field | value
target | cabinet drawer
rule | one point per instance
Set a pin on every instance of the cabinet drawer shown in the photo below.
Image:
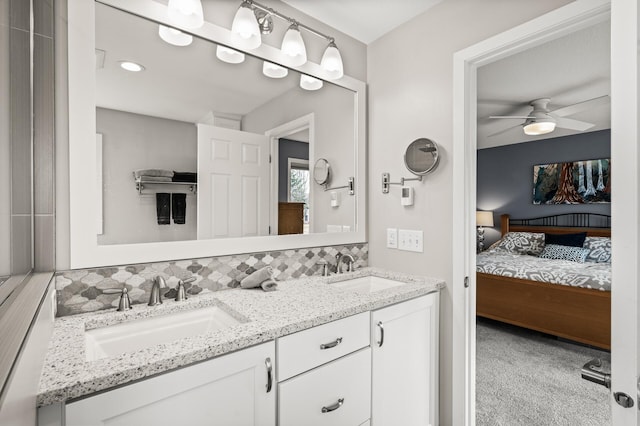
(303, 399)
(302, 351)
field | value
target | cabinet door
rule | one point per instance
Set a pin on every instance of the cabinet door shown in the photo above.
(405, 363)
(226, 391)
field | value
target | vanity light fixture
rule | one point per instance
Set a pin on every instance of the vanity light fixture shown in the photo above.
(228, 55)
(332, 61)
(245, 25)
(293, 46)
(131, 66)
(186, 13)
(310, 83)
(174, 37)
(274, 70)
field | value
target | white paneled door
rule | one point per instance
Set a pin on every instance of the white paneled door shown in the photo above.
(233, 183)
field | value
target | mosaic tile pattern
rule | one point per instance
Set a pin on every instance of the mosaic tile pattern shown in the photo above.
(82, 290)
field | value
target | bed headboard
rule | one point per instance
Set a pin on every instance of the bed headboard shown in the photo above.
(595, 225)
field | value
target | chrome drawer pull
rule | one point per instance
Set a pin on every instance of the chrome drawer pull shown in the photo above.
(381, 327)
(267, 363)
(332, 344)
(333, 407)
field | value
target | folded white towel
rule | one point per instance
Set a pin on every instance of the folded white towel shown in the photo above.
(258, 277)
(269, 285)
(153, 172)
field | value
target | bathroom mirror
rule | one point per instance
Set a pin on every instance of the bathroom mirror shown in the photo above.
(187, 111)
(421, 156)
(322, 172)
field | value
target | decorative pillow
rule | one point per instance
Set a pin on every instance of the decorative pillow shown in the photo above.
(599, 249)
(574, 254)
(521, 243)
(574, 240)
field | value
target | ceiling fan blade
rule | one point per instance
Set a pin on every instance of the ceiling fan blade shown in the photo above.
(504, 131)
(582, 106)
(519, 117)
(568, 123)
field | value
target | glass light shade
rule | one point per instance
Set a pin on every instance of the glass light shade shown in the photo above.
(246, 26)
(228, 55)
(539, 128)
(175, 37)
(293, 46)
(273, 70)
(484, 218)
(131, 66)
(332, 62)
(186, 13)
(310, 83)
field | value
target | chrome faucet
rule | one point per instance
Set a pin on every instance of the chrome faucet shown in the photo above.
(181, 293)
(344, 258)
(156, 296)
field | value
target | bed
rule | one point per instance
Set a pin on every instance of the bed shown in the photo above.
(570, 305)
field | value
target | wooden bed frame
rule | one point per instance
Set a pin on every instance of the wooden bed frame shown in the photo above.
(579, 314)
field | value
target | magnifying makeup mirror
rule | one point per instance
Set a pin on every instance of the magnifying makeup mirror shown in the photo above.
(421, 156)
(322, 172)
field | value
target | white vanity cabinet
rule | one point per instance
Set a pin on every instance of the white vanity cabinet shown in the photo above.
(230, 390)
(404, 341)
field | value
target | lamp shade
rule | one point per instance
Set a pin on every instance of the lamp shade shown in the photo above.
(174, 37)
(226, 54)
(274, 70)
(484, 218)
(186, 13)
(310, 83)
(293, 46)
(245, 25)
(332, 62)
(539, 127)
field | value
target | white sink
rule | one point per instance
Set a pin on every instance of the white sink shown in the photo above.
(147, 332)
(367, 285)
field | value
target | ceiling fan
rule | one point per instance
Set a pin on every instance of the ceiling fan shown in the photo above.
(541, 121)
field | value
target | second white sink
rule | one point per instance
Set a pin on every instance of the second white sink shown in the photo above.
(368, 284)
(143, 333)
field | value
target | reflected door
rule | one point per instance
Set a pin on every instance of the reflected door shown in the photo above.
(233, 183)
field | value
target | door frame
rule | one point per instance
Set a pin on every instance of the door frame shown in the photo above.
(306, 122)
(560, 22)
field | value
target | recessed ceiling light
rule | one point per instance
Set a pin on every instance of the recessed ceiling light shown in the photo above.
(131, 66)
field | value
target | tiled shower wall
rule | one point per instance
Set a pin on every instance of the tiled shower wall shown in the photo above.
(80, 291)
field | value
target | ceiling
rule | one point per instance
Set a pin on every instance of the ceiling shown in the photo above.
(568, 70)
(364, 20)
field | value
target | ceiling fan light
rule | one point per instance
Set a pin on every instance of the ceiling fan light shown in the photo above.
(186, 13)
(535, 128)
(245, 25)
(332, 62)
(174, 37)
(310, 83)
(274, 70)
(293, 46)
(228, 55)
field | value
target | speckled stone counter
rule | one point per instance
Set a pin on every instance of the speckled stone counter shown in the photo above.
(296, 305)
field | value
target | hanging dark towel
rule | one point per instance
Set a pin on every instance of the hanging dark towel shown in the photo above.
(185, 177)
(179, 208)
(163, 208)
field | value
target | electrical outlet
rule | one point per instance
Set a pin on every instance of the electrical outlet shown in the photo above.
(392, 238)
(410, 240)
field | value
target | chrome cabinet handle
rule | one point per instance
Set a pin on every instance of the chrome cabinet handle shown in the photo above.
(333, 407)
(381, 342)
(267, 363)
(331, 344)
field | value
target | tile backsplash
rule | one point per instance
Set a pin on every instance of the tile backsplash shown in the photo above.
(82, 290)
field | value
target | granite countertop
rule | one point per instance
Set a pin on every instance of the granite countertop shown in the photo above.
(297, 305)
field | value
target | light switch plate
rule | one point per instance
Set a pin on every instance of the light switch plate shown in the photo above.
(392, 238)
(410, 240)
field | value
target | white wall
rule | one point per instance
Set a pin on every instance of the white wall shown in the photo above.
(333, 109)
(410, 96)
(5, 144)
(131, 142)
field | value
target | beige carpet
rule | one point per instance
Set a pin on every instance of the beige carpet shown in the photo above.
(528, 378)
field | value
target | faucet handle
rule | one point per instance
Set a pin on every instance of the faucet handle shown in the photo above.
(125, 302)
(181, 293)
(324, 265)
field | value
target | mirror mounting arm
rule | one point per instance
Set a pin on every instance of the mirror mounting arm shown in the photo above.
(350, 185)
(386, 182)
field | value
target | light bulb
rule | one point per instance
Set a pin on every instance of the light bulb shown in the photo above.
(245, 25)
(332, 62)
(186, 13)
(293, 46)
(310, 83)
(175, 37)
(226, 54)
(539, 128)
(273, 70)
